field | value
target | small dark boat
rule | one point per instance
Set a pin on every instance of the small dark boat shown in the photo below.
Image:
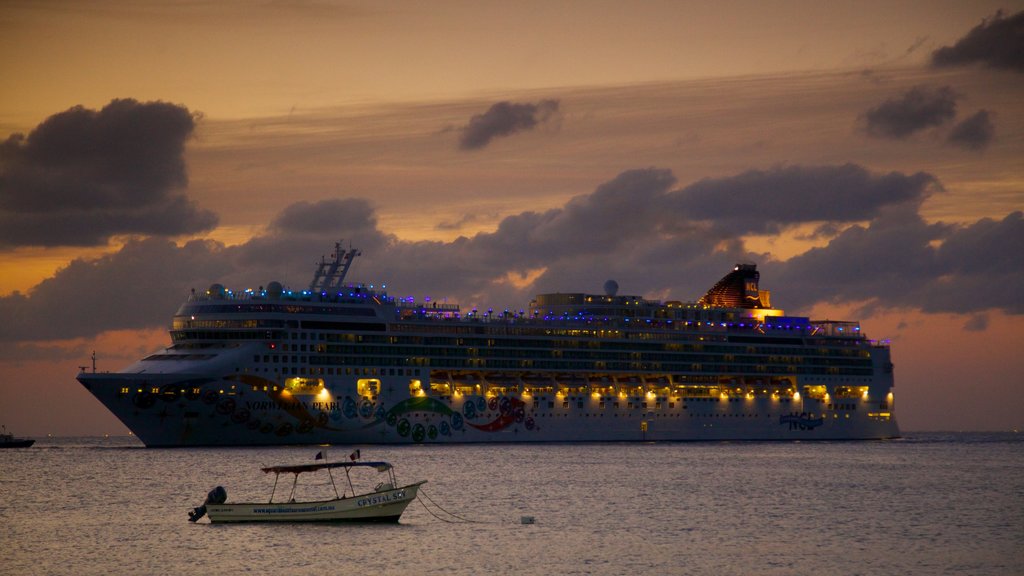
(9, 441)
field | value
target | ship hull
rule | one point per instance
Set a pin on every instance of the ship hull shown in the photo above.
(196, 410)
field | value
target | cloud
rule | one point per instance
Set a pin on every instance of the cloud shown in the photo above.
(977, 323)
(118, 291)
(326, 216)
(920, 108)
(901, 261)
(83, 176)
(975, 132)
(306, 229)
(759, 202)
(636, 228)
(504, 119)
(997, 42)
(978, 268)
(465, 220)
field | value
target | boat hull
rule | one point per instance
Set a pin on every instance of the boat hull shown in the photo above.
(18, 443)
(383, 506)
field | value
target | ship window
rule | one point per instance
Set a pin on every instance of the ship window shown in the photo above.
(368, 387)
(816, 392)
(304, 385)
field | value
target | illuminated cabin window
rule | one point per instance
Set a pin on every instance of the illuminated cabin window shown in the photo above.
(303, 385)
(416, 388)
(851, 391)
(441, 388)
(816, 392)
(368, 387)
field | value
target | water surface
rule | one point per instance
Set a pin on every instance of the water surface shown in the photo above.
(926, 504)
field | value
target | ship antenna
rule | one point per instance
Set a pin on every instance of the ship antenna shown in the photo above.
(327, 276)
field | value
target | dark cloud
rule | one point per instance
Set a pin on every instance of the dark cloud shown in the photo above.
(326, 216)
(977, 323)
(84, 175)
(465, 220)
(761, 202)
(504, 119)
(997, 42)
(636, 228)
(975, 132)
(308, 230)
(901, 261)
(885, 261)
(980, 267)
(920, 108)
(123, 290)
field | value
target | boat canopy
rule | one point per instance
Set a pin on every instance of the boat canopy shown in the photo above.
(300, 468)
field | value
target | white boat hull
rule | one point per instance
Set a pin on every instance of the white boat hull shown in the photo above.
(383, 506)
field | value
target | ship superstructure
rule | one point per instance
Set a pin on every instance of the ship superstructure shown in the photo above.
(345, 363)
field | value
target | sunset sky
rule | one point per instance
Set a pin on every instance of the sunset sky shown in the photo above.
(868, 156)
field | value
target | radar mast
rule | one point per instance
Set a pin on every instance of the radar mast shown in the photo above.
(328, 277)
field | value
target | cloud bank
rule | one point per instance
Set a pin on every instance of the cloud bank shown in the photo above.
(639, 228)
(998, 42)
(504, 119)
(82, 176)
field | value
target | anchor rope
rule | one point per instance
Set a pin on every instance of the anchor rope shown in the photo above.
(459, 519)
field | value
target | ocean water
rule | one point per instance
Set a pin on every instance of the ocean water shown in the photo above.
(925, 504)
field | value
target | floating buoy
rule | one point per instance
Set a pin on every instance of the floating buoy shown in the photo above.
(526, 520)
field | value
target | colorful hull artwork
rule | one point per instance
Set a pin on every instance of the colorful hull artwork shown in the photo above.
(211, 413)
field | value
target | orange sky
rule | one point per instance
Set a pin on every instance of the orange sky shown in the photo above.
(313, 101)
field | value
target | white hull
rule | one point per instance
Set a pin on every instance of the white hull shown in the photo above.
(384, 506)
(245, 418)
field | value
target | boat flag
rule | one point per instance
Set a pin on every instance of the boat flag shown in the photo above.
(354, 456)
(319, 456)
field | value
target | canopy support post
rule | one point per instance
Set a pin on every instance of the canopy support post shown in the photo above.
(276, 477)
(294, 482)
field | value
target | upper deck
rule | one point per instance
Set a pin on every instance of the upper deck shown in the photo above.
(332, 305)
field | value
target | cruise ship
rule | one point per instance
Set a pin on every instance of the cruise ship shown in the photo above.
(344, 363)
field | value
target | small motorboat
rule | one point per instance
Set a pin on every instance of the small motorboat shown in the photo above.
(384, 503)
(10, 441)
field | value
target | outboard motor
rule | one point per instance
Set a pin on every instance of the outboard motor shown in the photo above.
(216, 496)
